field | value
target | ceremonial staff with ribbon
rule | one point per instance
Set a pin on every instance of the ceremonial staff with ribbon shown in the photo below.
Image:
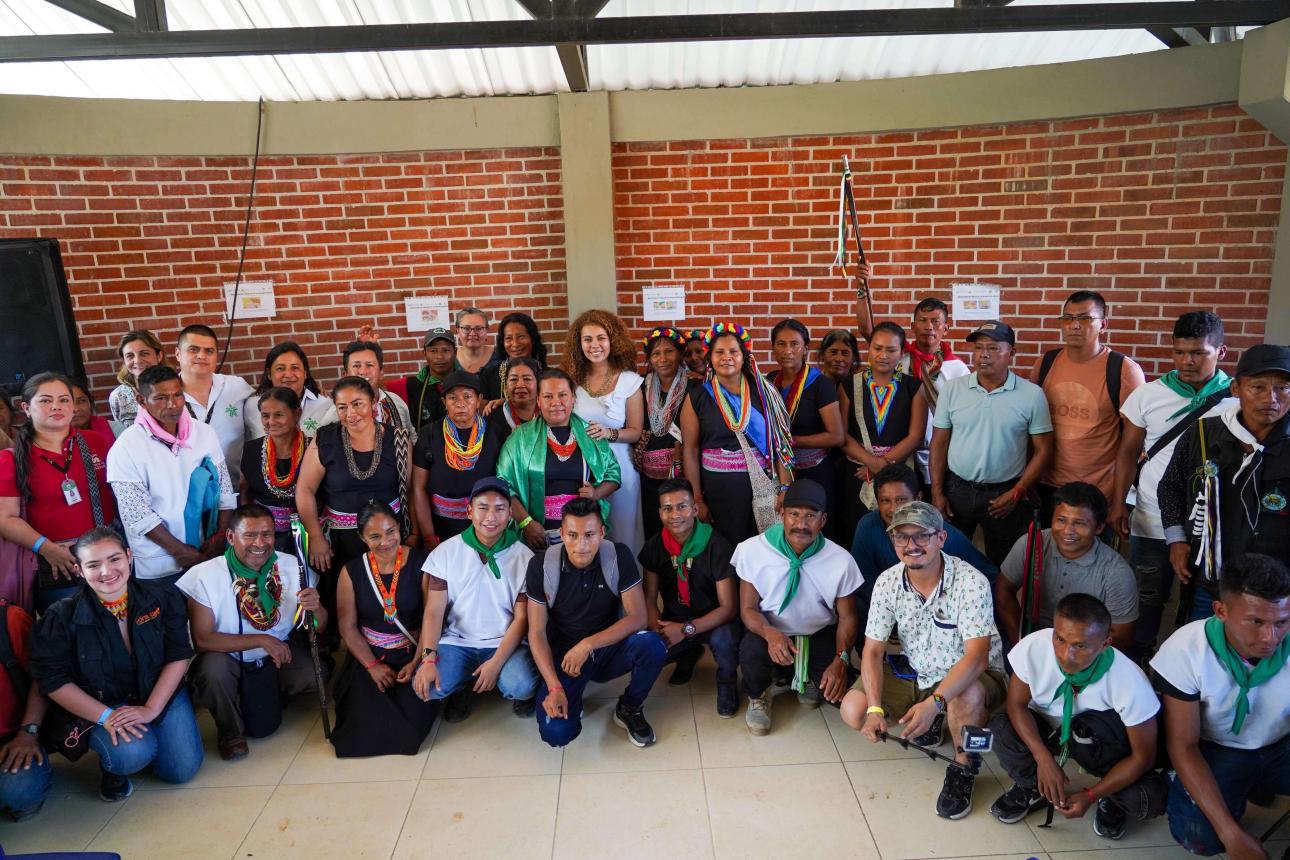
(307, 620)
(847, 210)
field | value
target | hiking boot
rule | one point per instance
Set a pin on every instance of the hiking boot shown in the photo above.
(233, 747)
(810, 696)
(1109, 820)
(955, 800)
(727, 700)
(1016, 803)
(457, 707)
(639, 731)
(523, 707)
(113, 787)
(758, 715)
(684, 670)
(934, 736)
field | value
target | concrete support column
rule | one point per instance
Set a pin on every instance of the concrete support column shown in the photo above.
(588, 201)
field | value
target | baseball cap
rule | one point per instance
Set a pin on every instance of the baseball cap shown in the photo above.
(439, 334)
(1263, 358)
(461, 379)
(490, 485)
(917, 514)
(805, 493)
(995, 330)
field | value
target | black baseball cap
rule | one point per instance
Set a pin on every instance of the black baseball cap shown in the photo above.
(490, 485)
(1264, 358)
(805, 493)
(440, 334)
(996, 331)
(461, 379)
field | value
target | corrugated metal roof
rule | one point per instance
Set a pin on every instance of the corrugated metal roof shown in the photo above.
(517, 71)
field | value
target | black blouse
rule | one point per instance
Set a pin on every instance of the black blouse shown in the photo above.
(343, 492)
(897, 426)
(252, 460)
(713, 432)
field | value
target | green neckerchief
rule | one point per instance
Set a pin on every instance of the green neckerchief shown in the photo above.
(523, 463)
(1070, 687)
(775, 537)
(696, 543)
(261, 577)
(490, 553)
(1220, 381)
(1242, 673)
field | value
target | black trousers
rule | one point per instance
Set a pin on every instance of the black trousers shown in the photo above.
(759, 670)
(1098, 742)
(970, 507)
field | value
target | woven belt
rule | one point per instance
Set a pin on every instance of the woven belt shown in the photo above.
(721, 460)
(450, 509)
(555, 506)
(386, 641)
(809, 458)
(657, 464)
(341, 520)
(281, 517)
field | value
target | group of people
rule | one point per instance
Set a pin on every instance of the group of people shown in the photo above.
(499, 520)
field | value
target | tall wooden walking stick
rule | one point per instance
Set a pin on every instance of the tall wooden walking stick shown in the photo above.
(309, 621)
(847, 210)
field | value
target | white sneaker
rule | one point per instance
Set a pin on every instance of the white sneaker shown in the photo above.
(758, 716)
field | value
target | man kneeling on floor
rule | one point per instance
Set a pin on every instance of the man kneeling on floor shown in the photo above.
(796, 600)
(242, 608)
(942, 606)
(1075, 695)
(475, 620)
(1226, 684)
(587, 622)
(689, 565)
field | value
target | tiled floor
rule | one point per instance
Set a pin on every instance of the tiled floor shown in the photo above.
(488, 788)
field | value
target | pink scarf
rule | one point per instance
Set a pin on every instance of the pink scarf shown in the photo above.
(159, 433)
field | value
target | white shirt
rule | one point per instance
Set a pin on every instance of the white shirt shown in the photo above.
(1189, 665)
(480, 606)
(950, 369)
(1149, 407)
(138, 460)
(829, 574)
(315, 411)
(223, 414)
(1123, 689)
(211, 584)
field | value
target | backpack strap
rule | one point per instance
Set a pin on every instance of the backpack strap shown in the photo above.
(1114, 367)
(608, 557)
(1046, 364)
(609, 565)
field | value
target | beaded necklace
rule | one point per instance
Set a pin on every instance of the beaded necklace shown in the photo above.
(349, 453)
(562, 451)
(282, 486)
(880, 398)
(389, 607)
(793, 391)
(462, 457)
(118, 607)
(733, 421)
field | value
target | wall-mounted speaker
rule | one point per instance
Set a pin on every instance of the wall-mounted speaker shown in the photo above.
(37, 329)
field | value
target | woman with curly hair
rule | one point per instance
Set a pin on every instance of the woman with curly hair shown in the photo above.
(600, 355)
(517, 337)
(737, 448)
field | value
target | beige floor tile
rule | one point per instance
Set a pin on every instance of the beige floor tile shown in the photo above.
(1172, 852)
(511, 817)
(1077, 835)
(67, 822)
(191, 823)
(613, 689)
(806, 810)
(633, 815)
(492, 742)
(798, 736)
(603, 747)
(899, 802)
(301, 821)
(1024, 855)
(853, 746)
(317, 762)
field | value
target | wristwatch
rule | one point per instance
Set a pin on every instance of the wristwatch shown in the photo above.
(689, 629)
(32, 728)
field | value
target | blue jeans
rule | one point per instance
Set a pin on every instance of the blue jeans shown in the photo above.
(172, 745)
(1239, 773)
(517, 680)
(724, 642)
(22, 793)
(642, 654)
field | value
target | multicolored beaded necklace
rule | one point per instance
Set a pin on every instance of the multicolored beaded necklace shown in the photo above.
(462, 457)
(282, 486)
(880, 398)
(733, 421)
(563, 451)
(793, 391)
(119, 607)
(389, 607)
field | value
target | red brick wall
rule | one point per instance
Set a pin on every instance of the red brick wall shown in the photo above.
(1160, 212)
(149, 242)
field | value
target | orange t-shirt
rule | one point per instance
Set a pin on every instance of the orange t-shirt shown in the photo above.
(1086, 425)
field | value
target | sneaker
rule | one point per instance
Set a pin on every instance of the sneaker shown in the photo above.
(955, 800)
(233, 747)
(1109, 820)
(457, 707)
(639, 731)
(523, 707)
(113, 787)
(934, 736)
(684, 670)
(780, 683)
(727, 700)
(810, 697)
(758, 716)
(1016, 803)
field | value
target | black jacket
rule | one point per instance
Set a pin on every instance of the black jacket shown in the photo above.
(77, 641)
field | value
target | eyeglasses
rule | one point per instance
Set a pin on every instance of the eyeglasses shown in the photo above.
(473, 329)
(1082, 319)
(918, 538)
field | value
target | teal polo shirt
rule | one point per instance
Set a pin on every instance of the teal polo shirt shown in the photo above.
(991, 428)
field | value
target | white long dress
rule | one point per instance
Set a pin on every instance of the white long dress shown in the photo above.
(610, 410)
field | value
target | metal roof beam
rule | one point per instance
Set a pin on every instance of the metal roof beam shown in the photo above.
(97, 13)
(656, 28)
(150, 15)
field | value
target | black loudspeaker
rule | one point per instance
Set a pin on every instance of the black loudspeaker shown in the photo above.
(37, 330)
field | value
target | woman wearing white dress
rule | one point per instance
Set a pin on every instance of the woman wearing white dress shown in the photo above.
(599, 355)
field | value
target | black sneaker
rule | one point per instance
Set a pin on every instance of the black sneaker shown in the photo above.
(113, 787)
(935, 735)
(523, 707)
(639, 731)
(955, 800)
(1109, 820)
(457, 707)
(727, 700)
(684, 670)
(1016, 803)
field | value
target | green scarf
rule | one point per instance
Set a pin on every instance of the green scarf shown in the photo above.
(261, 577)
(523, 463)
(490, 553)
(1070, 687)
(1220, 381)
(775, 537)
(1242, 673)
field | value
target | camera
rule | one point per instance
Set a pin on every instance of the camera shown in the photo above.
(977, 740)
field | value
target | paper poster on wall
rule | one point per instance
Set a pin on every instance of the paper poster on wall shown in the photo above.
(426, 312)
(664, 304)
(975, 301)
(255, 300)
